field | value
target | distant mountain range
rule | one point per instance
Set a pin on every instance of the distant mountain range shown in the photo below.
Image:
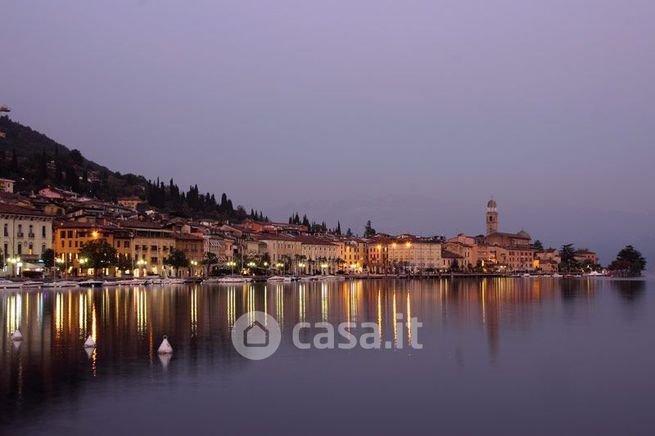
(34, 161)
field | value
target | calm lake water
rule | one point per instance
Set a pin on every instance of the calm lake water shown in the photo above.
(500, 356)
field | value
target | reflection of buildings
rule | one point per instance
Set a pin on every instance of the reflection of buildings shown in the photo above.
(128, 323)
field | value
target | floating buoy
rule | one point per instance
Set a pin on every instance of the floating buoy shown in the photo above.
(89, 343)
(165, 347)
(17, 336)
(165, 359)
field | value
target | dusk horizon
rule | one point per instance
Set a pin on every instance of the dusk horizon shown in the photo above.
(327, 218)
(547, 111)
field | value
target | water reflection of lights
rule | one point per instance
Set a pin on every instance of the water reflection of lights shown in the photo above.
(324, 302)
(82, 315)
(141, 310)
(250, 303)
(353, 302)
(380, 314)
(483, 297)
(395, 324)
(409, 318)
(231, 306)
(14, 311)
(59, 314)
(194, 311)
(279, 304)
(302, 289)
(94, 321)
(266, 303)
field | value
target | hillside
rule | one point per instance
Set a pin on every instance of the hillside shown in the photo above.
(36, 161)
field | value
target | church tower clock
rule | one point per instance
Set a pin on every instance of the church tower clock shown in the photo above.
(492, 217)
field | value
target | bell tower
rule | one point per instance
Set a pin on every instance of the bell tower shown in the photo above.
(492, 217)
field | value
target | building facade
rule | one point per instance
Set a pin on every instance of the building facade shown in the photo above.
(26, 235)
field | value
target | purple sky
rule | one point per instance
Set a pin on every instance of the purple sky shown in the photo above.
(410, 113)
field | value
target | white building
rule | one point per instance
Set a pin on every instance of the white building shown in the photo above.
(26, 234)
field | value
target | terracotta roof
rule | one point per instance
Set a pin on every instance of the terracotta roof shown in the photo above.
(19, 210)
(187, 237)
(136, 224)
(311, 240)
(274, 237)
(520, 235)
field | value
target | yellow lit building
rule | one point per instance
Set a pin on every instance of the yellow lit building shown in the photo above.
(70, 236)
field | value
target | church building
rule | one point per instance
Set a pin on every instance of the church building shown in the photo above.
(513, 250)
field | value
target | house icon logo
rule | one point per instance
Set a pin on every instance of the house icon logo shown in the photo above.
(256, 335)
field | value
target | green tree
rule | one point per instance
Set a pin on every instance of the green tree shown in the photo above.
(48, 258)
(537, 245)
(177, 259)
(209, 261)
(98, 255)
(369, 230)
(629, 261)
(567, 256)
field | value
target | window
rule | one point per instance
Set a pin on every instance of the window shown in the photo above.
(20, 249)
(69, 234)
(43, 248)
(6, 231)
(62, 234)
(43, 232)
(126, 244)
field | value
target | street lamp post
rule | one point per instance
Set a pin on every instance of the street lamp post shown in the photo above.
(141, 264)
(83, 261)
(60, 264)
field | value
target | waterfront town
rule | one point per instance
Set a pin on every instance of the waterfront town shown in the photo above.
(50, 231)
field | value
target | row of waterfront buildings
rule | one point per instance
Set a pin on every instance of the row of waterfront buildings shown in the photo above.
(64, 221)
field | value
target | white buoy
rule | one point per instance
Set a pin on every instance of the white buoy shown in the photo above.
(17, 336)
(165, 347)
(165, 359)
(89, 343)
